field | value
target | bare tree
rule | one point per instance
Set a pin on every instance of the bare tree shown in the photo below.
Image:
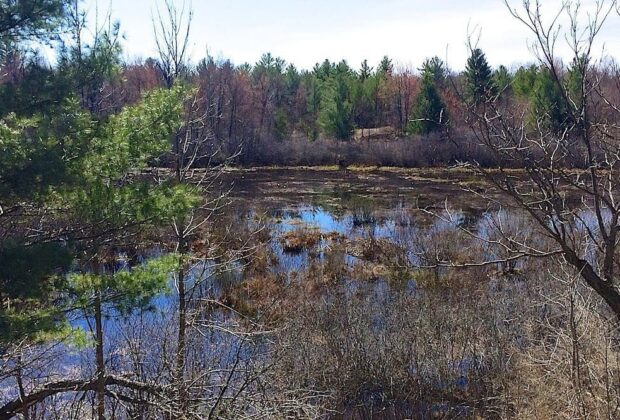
(171, 32)
(569, 185)
(193, 156)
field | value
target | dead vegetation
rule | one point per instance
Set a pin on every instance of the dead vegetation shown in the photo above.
(305, 238)
(492, 341)
(367, 327)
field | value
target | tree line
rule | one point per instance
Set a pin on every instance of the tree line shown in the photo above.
(250, 108)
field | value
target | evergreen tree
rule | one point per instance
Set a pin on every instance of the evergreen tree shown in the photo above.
(116, 209)
(364, 92)
(575, 80)
(324, 70)
(365, 71)
(385, 66)
(524, 81)
(280, 124)
(479, 85)
(502, 80)
(313, 105)
(32, 86)
(43, 135)
(76, 166)
(30, 20)
(435, 68)
(548, 106)
(429, 114)
(292, 81)
(336, 114)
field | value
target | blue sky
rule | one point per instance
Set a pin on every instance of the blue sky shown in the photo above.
(304, 32)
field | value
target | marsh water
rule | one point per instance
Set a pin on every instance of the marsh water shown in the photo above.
(366, 222)
(312, 225)
(394, 205)
(337, 191)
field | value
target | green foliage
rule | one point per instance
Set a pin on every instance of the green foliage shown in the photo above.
(29, 20)
(292, 81)
(281, 128)
(502, 80)
(37, 153)
(313, 105)
(32, 87)
(92, 175)
(29, 278)
(67, 152)
(429, 114)
(385, 66)
(324, 70)
(110, 189)
(29, 320)
(132, 138)
(18, 273)
(336, 114)
(92, 67)
(127, 289)
(479, 85)
(365, 71)
(575, 81)
(436, 69)
(364, 94)
(549, 108)
(524, 80)
(269, 64)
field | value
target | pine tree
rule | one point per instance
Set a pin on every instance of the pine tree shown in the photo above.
(523, 81)
(502, 80)
(313, 105)
(385, 66)
(429, 114)
(336, 114)
(435, 68)
(548, 106)
(30, 20)
(479, 85)
(43, 136)
(116, 208)
(80, 168)
(365, 71)
(364, 91)
(575, 80)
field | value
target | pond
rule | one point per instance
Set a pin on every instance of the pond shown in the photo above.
(320, 206)
(332, 260)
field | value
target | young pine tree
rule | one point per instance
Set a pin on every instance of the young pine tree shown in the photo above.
(502, 80)
(479, 85)
(429, 111)
(548, 108)
(336, 113)
(116, 207)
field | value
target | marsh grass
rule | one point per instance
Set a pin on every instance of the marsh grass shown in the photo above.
(367, 325)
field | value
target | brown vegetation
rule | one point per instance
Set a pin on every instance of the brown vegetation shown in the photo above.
(298, 240)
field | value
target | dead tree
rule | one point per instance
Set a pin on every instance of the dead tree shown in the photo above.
(194, 159)
(568, 179)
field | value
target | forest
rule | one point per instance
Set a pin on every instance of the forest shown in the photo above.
(223, 240)
(271, 113)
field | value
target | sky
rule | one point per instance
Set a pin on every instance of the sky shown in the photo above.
(305, 32)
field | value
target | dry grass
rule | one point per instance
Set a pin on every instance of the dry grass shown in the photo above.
(305, 238)
(375, 133)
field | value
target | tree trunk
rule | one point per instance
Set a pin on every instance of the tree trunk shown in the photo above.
(99, 358)
(179, 369)
(603, 288)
